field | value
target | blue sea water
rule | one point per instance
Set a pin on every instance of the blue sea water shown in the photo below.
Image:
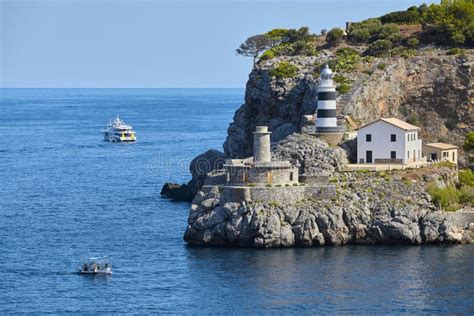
(64, 192)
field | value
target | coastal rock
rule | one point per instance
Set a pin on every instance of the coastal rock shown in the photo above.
(376, 210)
(177, 192)
(432, 89)
(313, 155)
(200, 166)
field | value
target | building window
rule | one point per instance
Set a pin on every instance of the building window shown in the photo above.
(291, 176)
(393, 137)
(445, 154)
(368, 137)
(415, 136)
(454, 157)
(408, 154)
(393, 155)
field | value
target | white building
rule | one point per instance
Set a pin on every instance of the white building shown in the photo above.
(389, 141)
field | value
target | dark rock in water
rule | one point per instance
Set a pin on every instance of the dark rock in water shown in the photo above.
(199, 167)
(203, 164)
(177, 192)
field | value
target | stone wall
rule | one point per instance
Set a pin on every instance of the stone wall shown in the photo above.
(281, 195)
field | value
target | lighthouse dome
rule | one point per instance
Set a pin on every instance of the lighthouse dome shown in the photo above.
(326, 73)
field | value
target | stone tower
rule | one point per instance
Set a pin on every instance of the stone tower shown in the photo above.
(261, 145)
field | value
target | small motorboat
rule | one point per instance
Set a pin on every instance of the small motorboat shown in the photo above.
(96, 265)
(118, 131)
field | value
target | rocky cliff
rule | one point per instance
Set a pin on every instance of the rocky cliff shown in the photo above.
(431, 89)
(366, 208)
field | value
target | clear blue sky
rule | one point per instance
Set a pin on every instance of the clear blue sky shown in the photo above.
(135, 44)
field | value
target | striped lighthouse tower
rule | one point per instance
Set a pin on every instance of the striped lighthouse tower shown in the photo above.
(326, 121)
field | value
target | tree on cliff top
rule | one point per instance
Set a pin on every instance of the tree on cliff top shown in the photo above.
(253, 46)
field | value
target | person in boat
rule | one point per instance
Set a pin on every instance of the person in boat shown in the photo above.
(85, 268)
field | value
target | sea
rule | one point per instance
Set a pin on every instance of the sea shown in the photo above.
(66, 194)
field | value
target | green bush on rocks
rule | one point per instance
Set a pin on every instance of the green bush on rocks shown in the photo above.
(335, 36)
(284, 70)
(380, 47)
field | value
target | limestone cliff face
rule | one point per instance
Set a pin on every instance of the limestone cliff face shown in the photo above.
(365, 210)
(433, 89)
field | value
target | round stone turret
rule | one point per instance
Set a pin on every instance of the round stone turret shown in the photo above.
(261, 145)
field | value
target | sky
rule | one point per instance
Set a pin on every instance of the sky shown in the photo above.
(153, 44)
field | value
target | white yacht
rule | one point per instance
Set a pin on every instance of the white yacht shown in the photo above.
(118, 131)
(96, 265)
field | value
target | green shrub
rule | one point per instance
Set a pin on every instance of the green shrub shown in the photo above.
(381, 66)
(344, 88)
(346, 60)
(379, 47)
(404, 52)
(278, 185)
(466, 177)
(269, 54)
(284, 49)
(444, 197)
(469, 142)
(403, 110)
(446, 164)
(455, 51)
(409, 16)
(466, 195)
(451, 123)
(361, 35)
(335, 36)
(305, 48)
(450, 22)
(284, 70)
(414, 120)
(251, 184)
(363, 31)
(413, 42)
(389, 32)
(274, 204)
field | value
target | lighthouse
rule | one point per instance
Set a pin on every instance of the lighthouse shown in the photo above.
(261, 145)
(326, 115)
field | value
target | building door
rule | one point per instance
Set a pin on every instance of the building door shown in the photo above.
(269, 177)
(368, 156)
(433, 157)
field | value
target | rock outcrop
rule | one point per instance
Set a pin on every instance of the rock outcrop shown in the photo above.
(366, 209)
(432, 89)
(314, 156)
(200, 166)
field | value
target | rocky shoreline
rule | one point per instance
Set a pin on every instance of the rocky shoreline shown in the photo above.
(432, 87)
(364, 208)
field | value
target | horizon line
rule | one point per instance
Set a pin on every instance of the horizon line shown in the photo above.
(122, 87)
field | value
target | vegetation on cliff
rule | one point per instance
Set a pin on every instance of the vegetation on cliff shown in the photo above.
(451, 23)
